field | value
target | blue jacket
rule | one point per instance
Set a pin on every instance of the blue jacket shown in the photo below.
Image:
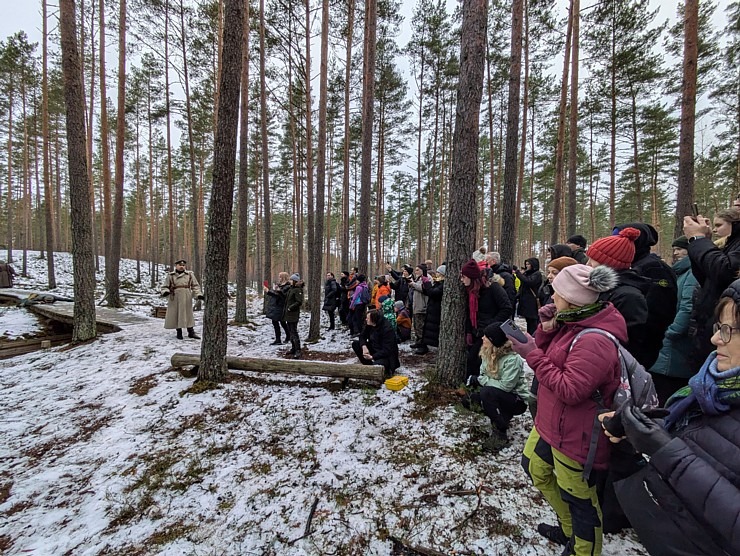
(673, 359)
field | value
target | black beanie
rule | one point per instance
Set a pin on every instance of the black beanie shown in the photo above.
(494, 333)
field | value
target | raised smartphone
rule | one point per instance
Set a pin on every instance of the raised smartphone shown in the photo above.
(512, 331)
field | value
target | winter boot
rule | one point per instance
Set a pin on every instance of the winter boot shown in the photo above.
(497, 441)
(192, 334)
(296, 349)
(277, 342)
(553, 533)
(421, 350)
(569, 549)
(179, 333)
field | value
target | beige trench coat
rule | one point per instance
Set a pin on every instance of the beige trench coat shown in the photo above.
(183, 288)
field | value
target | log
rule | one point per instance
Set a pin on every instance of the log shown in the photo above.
(373, 373)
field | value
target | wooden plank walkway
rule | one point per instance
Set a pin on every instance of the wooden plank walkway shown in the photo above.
(108, 319)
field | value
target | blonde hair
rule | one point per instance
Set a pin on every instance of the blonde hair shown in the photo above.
(491, 355)
(283, 277)
(728, 215)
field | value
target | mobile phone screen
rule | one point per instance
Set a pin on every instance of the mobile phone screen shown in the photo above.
(266, 284)
(511, 330)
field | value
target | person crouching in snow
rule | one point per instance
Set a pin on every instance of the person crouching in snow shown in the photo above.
(504, 391)
(180, 287)
(570, 375)
(377, 343)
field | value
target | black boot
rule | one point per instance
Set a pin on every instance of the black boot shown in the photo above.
(296, 349)
(553, 533)
(192, 334)
(179, 333)
(277, 342)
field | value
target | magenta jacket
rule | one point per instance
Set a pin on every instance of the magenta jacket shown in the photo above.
(568, 380)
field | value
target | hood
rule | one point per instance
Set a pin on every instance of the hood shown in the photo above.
(648, 238)
(629, 277)
(608, 319)
(560, 250)
(502, 267)
(682, 266)
(535, 264)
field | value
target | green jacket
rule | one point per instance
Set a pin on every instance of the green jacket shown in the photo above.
(511, 376)
(293, 302)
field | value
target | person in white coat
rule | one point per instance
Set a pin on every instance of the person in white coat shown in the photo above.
(180, 287)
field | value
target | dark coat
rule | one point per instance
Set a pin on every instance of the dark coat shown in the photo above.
(629, 299)
(293, 302)
(580, 255)
(493, 306)
(7, 273)
(686, 501)
(331, 295)
(714, 270)
(275, 303)
(399, 285)
(545, 294)
(433, 290)
(560, 250)
(381, 342)
(504, 271)
(531, 280)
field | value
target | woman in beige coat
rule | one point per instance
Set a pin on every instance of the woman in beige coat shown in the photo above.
(180, 287)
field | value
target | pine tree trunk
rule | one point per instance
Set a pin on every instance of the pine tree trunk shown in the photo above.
(48, 195)
(267, 215)
(688, 115)
(368, 100)
(557, 197)
(83, 259)
(213, 367)
(112, 281)
(242, 241)
(9, 201)
(314, 324)
(573, 126)
(613, 123)
(463, 186)
(523, 149)
(105, 146)
(345, 177)
(170, 192)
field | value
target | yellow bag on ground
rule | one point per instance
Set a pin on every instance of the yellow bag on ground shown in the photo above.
(397, 382)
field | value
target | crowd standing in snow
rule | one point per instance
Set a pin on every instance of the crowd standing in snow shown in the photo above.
(596, 319)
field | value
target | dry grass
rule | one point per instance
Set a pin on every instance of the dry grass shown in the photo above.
(141, 386)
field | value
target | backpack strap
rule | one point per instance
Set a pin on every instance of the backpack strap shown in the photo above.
(599, 399)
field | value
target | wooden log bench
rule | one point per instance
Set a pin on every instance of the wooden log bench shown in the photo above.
(371, 373)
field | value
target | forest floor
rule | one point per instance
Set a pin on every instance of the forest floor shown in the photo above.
(103, 450)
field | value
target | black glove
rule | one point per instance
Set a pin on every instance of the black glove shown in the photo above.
(201, 297)
(515, 268)
(614, 425)
(165, 294)
(645, 435)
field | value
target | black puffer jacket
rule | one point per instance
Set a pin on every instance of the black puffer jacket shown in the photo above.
(399, 285)
(531, 280)
(331, 295)
(714, 269)
(629, 299)
(504, 271)
(662, 294)
(275, 306)
(580, 255)
(686, 501)
(433, 291)
(381, 341)
(493, 306)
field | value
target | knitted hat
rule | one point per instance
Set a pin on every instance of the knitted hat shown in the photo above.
(615, 251)
(494, 333)
(383, 298)
(442, 269)
(479, 255)
(295, 277)
(561, 262)
(423, 268)
(408, 268)
(681, 242)
(398, 305)
(471, 270)
(581, 285)
(578, 240)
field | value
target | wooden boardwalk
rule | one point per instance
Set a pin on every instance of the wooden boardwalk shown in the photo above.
(108, 319)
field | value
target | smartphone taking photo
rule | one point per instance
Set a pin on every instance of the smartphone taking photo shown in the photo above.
(512, 331)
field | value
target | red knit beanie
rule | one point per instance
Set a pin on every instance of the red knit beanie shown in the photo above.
(617, 251)
(471, 270)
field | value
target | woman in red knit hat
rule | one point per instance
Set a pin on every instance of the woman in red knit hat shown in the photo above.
(487, 303)
(628, 297)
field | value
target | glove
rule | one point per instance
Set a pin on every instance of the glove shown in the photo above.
(522, 348)
(468, 339)
(200, 297)
(547, 312)
(645, 435)
(165, 294)
(614, 425)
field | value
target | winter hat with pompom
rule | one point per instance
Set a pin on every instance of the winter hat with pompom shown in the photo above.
(616, 251)
(471, 270)
(581, 285)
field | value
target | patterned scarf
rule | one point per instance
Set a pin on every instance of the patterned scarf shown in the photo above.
(389, 312)
(580, 313)
(714, 391)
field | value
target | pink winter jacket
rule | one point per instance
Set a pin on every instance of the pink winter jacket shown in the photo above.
(568, 380)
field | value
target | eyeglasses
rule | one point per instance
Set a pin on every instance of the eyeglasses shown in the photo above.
(725, 331)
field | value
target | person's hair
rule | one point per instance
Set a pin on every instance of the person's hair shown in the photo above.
(331, 274)
(494, 255)
(283, 276)
(355, 269)
(722, 305)
(382, 280)
(728, 215)
(492, 355)
(375, 316)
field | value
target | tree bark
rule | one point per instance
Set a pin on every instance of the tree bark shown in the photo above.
(243, 201)
(368, 101)
(266, 211)
(345, 177)
(83, 259)
(105, 146)
(508, 214)
(573, 126)
(216, 276)
(688, 115)
(463, 186)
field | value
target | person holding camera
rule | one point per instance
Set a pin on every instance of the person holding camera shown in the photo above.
(180, 287)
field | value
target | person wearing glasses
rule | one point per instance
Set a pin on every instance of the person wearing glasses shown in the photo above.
(686, 500)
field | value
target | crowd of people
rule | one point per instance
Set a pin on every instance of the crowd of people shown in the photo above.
(671, 470)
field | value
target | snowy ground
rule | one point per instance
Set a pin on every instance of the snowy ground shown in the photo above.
(102, 451)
